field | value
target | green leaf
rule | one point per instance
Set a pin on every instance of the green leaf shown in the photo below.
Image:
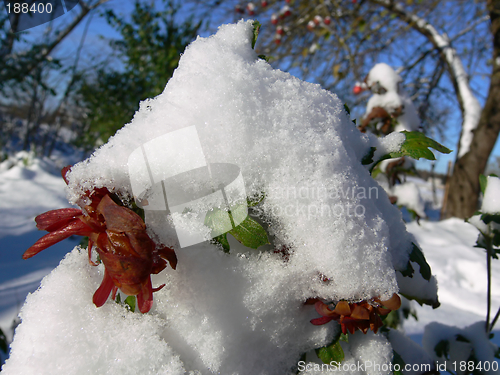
(219, 220)
(416, 146)
(250, 233)
(346, 107)
(392, 319)
(223, 242)
(368, 158)
(344, 337)
(488, 218)
(442, 348)
(255, 200)
(332, 352)
(483, 180)
(3, 342)
(256, 28)
(409, 271)
(397, 360)
(461, 338)
(418, 257)
(422, 301)
(130, 303)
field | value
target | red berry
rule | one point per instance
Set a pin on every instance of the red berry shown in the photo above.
(311, 25)
(327, 20)
(239, 9)
(357, 89)
(317, 19)
(288, 1)
(280, 30)
(274, 19)
(264, 3)
(285, 11)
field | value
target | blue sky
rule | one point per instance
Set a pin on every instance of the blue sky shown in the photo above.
(97, 48)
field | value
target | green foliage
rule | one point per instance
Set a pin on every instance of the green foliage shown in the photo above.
(256, 29)
(397, 360)
(418, 257)
(128, 303)
(3, 342)
(416, 146)
(442, 349)
(148, 53)
(249, 233)
(368, 158)
(332, 352)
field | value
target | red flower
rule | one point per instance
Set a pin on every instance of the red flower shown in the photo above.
(119, 236)
(360, 315)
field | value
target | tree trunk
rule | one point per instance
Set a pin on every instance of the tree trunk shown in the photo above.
(464, 183)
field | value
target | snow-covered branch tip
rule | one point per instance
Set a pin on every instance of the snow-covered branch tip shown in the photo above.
(469, 104)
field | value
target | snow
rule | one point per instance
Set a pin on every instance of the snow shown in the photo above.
(409, 196)
(491, 199)
(364, 354)
(284, 135)
(393, 98)
(460, 350)
(290, 139)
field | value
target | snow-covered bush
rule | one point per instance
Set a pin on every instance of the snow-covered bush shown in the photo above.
(322, 243)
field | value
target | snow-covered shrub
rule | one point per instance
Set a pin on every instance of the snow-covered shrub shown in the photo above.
(334, 249)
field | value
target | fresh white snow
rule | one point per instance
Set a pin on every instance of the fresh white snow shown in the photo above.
(293, 141)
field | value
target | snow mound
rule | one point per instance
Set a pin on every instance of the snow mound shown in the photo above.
(491, 200)
(289, 139)
(63, 332)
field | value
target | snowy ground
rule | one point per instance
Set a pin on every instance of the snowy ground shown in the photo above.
(448, 245)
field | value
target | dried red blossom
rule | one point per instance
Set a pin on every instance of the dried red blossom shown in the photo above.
(119, 236)
(359, 315)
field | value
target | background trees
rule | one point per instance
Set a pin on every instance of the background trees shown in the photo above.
(442, 50)
(43, 90)
(147, 54)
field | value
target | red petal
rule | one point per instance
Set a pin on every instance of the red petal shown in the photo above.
(168, 254)
(102, 293)
(113, 292)
(159, 288)
(119, 218)
(89, 248)
(321, 321)
(64, 172)
(323, 309)
(56, 219)
(74, 227)
(145, 304)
